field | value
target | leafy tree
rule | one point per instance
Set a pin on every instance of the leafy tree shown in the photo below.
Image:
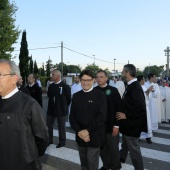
(93, 67)
(24, 58)
(139, 72)
(153, 69)
(8, 31)
(31, 68)
(35, 67)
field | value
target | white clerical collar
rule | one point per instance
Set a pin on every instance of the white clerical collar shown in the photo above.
(131, 81)
(30, 85)
(58, 82)
(10, 94)
(88, 90)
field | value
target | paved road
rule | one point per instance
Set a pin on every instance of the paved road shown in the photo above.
(156, 156)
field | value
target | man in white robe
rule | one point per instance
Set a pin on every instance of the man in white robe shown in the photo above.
(119, 84)
(165, 102)
(146, 91)
(158, 100)
(152, 100)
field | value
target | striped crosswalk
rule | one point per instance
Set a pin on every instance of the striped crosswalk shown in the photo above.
(156, 156)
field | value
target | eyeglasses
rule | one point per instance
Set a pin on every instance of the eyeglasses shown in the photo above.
(3, 75)
(87, 80)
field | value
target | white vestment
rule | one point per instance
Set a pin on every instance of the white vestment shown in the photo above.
(158, 102)
(165, 105)
(149, 133)
(152, 105)
(119, 85)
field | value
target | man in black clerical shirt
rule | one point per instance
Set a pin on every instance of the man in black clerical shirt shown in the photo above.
(21, 87)
(109, 152)
(132, 116)
(87, 118)
(59, 95)
(23, 130)
(34, 90)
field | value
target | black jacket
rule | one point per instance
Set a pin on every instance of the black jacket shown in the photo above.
(113, 100)
(36, 92)
(23, 131)
(88, 111)
(134, 107)
(59, 99)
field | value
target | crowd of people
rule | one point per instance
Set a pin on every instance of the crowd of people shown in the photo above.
(99, 109)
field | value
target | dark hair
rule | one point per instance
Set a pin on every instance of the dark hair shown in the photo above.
(150, 75)
(86, 72)
(140, 77)
(131, 69)
(102, 71)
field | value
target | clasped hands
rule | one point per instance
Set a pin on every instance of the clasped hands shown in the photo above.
(84, 134)
(120, 115)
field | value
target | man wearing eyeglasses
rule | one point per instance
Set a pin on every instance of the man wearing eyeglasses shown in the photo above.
(23, 129)
(87, 118)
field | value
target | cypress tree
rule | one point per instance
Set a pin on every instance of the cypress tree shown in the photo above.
(35, 68)
(24, 58)
(31, 69)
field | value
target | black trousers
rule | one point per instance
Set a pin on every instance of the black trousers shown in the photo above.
(89, 158)
(109, 153)
(61, 128)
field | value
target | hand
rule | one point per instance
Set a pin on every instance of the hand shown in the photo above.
(164, 100)
(115, 131)
(83, 133)
(151, 88)
(120, 115)
(87, 138)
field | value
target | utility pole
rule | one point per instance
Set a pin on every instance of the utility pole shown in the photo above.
(114, 68)
(61, 59)
(167, 50)
(94, 59)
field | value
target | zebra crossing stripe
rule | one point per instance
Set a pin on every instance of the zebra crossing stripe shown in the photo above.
(157, 140)
(73, 156)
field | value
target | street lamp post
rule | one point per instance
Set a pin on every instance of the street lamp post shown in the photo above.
(167, 50)
(94, 59)
(114, 67)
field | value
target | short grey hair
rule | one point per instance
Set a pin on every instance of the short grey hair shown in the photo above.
(57, 72)
(14, 69)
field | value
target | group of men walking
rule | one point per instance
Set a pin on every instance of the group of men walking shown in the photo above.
(97, 115)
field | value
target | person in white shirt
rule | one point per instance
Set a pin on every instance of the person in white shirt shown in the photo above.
(149, 134)
(76, 86)
(165, 102)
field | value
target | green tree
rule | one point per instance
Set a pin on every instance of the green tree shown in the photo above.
(153, 69)
(31, 68)
(8, 31)
(48, 66)
(24, 58)
(93, 67)
(139, 72)
(42, 70)
(35, 68)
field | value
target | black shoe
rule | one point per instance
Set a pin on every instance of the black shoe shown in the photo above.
(60, 145)
(50, 143)
(122, 160)
(149, 140)
(102, 168)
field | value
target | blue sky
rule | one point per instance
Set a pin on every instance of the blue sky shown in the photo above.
(137, 31)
